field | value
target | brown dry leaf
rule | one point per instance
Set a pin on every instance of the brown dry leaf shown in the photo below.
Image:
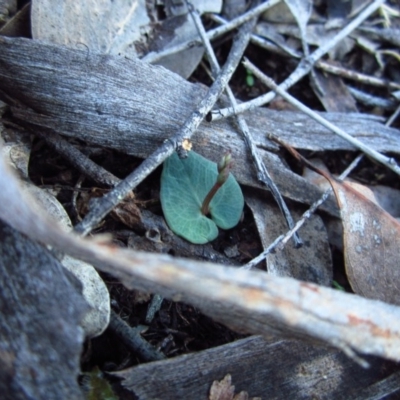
(384, 196)
(371, 245)
(127, 212)
(223, 390)
(333, 93)
(371, 240)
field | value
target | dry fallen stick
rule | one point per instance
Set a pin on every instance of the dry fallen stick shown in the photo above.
(388, 162)
(131, 337)
(280, 241)
(80, 161)
(372, 101)
(302, 69)
(247, 301)
(355, 75)
(393, 117)
(262, 172)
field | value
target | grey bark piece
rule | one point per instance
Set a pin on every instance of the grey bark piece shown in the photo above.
(40, 334)
(268, 368)
(133, 107)
(101, 25)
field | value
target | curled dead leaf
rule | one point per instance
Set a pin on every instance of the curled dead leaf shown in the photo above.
(371, 240)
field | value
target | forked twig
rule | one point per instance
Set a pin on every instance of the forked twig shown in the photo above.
(280, 241)
(212, 34)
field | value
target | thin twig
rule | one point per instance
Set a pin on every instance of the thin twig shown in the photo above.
(355, 76)
(372, 101)
(274, 48)
(387, 161)
(79, 160)
(101, 207)
(280, 241)
(265, 44)
(214, 33)
(154, 307)
(131, 337)
(393, 117)
(304, 8)
(302, 69)
(74, 198)
(262, 172)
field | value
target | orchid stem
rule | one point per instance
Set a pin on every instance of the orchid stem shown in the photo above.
(205, 208)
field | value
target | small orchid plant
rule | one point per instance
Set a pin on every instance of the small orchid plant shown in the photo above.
(198, 196)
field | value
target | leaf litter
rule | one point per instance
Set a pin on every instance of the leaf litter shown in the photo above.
(369, 232)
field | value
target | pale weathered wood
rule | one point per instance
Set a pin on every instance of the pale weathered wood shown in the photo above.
(267, 368)
(247, 301)
(133, 107)
(41, 309)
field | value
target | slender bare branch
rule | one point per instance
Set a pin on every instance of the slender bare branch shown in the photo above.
(79, 160)
(355, 75)
(371, 100)
(393, 116)
(326, 66)
(387, 161)
(262, 172)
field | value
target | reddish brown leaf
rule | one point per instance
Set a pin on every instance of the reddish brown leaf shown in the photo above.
(371, 245)
(371, 240)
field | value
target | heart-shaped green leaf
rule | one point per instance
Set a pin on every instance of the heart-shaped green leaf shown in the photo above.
(184, 185)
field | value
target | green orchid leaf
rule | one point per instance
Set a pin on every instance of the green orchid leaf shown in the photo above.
(184, 185)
